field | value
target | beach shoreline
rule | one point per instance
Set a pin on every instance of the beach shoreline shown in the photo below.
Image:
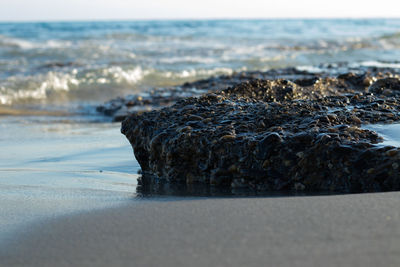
(52, 166)
(70, 194)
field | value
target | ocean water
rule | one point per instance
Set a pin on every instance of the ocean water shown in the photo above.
(82, 63)
(57, 156)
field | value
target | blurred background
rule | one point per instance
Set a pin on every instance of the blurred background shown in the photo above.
(74, 53)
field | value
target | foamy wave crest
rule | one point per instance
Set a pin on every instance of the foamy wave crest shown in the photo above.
(35, 87)
(15, 43)
(194, 73)
(117, 74)
(41, 86)
(390, 65)
(92, 83)
(24, 44)
(188, 59)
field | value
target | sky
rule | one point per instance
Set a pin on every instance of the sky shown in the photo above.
(66, 10)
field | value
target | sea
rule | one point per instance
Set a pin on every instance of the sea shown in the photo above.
(59, 156)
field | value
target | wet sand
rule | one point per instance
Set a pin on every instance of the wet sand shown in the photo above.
(7, 111)
(342, 230)
(53, 166)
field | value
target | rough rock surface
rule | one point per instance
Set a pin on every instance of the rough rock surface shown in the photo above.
(275, 135)
(158, 98)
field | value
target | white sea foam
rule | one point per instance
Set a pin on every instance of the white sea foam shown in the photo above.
(190, 59)
(312, 69)
(130, 76)
(27, 44)
(378, 64)
(36, 87)
(79, 82)
(272, 58)
(15, 42)
(40, 86)
(190, 73)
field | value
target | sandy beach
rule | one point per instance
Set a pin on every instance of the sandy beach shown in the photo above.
(344, 230)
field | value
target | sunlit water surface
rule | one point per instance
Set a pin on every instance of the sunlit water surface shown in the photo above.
(50, 166)
(389, 132)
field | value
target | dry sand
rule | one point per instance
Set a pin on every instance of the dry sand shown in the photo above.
(342, 230)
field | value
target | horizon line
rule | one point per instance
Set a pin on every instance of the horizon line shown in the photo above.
(195, 19)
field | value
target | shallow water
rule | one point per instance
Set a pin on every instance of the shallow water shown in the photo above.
(51, 166)
(389, 132)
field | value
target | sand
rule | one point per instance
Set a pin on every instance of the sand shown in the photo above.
(342, 230)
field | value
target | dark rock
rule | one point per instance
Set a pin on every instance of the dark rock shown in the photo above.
(385, 86)
(272, 135)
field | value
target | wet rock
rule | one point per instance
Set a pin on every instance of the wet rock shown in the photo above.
(272, 135)
(294, 82)
(385, 86)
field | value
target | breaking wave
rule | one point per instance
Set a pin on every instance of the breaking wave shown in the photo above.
(94, 61)
(42, 86)
(97, 84)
